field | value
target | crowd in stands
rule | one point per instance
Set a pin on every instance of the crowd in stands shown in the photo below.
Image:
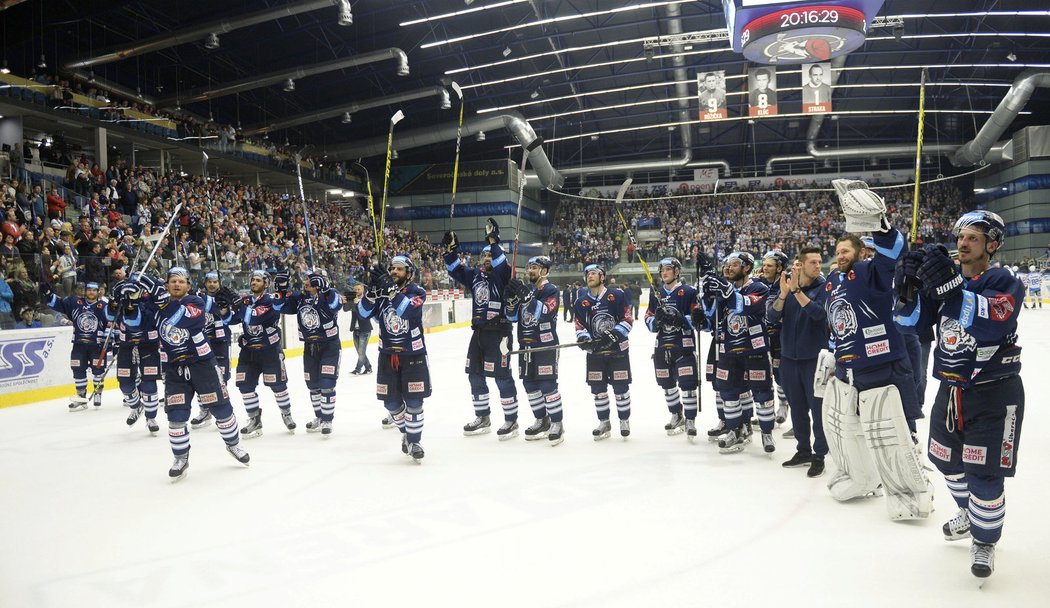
(96, 237)
(585, 231)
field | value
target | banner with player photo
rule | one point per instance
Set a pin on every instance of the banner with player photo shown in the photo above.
(712, 94)
(762, 91)
(816, 88)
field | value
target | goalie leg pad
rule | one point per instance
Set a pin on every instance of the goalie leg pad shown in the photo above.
(857, 474)
(909, 494)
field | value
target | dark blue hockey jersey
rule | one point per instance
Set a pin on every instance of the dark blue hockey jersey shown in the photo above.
(318, 315)
(181, 327)
(976, 330)
(537, 319)
(860, 307)
(400, 320)
(260, 319)
(774, 325)
(610, 309)
(682, 297)
(217, 325)
(486, 288)
(134, 327)
(742, 320)
(89, 318)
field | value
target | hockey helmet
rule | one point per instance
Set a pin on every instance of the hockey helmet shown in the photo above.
(990, 223)
(542, 261)
(405, 262)
(593, 267)
(672, 262)
(777, 256)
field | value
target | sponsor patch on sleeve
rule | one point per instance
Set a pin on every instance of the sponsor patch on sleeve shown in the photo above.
(1000, 307)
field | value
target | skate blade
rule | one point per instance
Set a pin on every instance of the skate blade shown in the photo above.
(482, 431)
(557, 441)
(952, 539)
(715, 438)
(536, 437)
(200, 425)
(675, 431)
(691, 438)
(389, 426)
(604, 435)
(252, 435)
(179, 478)
(78, 408)
(731, 450)
(508, 436)
(314, 430)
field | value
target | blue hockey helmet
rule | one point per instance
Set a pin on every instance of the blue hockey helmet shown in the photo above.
(593, 267)
(746, 259)
(777, 256)
(990, 223)
(405, 262)
(672, 262)
(542, 261)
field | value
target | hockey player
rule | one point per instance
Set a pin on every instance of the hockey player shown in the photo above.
(138, 355)
(189, 368)
(669, 316)
(403, 378)
(975, 427)
(775, 263)
(88, 315)
(261, 352)
(534, 306)
(1035, 286)
(490, 327)
(743, 349)
(603, 321)
(218, 314)
(317, 310)
(869, 406)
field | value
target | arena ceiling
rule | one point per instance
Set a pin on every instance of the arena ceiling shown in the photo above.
(580, 71)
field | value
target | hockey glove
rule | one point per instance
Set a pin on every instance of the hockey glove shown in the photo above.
(585, 343)
(127, 290)
(450, 242)
(607, 338)
(519, 290)
(865, 211)
(282, 282)
(699, 319)
(905, 280)
(383, 285)
(940, 277)
(669, 315)
(491, 231)
(717, 288)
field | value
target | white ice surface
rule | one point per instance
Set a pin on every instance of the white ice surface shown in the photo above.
(90, 519)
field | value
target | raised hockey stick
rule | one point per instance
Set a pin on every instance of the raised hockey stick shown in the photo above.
(459, 140)
(521, 196)
(630, 234)
(211, 222)
(371, 207)
(306, 214)
(396, 118)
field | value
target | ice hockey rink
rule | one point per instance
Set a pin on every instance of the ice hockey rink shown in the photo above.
(90, 518)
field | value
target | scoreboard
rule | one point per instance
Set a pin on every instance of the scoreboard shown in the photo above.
(779, 32)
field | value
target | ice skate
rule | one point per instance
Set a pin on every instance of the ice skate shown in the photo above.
(733, 441)
(238, 453)
(509, 430)
(768, 444)
(719, 430)
(313, 426)
(782, 413)
(690, 429)
(958, 527)
(152, 426)
(676, 425)
(254, 428)
(326, 428)
(555, 435)
(96, 397)
(416, 452)
(982, 559)
(625, 428)
(178, 468)
(78, 403)
(603, 431)
(202, 419)
(404, 443)
(479, 426)
(388, 423)
(539, 429)
(286, 418)
(133, 416)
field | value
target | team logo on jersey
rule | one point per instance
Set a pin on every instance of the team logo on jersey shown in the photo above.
(602, 321)
(209, 319)
(87, 323)
(258, 311)
(843, 319)
(172, 334)
(736, 323)
(954, 338)
(254, 330)
(1001, 306)
(528, 319)
(395, 325)
(309, 317)
(481, 293)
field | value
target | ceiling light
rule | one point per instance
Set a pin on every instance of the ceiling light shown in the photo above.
(43, 62)
(535, 94)
(212, 41)
(507, 52)
(289, 85)
(462, 12)
(346, 17)
(468, 2)
(346, 118)
(480, 136)
(1011, 56)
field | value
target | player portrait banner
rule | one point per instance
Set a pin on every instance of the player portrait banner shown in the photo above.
(816, 88)
(762, 91)
(712, 95)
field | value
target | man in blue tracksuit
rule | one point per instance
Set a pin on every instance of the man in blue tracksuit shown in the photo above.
(799, 306)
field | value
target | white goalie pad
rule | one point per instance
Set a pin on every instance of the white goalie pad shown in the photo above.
(909, 494)
(825, 371)
(863, 208)
(857, 474)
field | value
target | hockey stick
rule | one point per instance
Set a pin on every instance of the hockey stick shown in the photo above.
(211, 222)
(459, 139)
(538, 349)
(396, 118)
(630, 234)
(109, 330)
(703, 265)
(306, 214)
(521, 196)
(371, 207)
(909, 288)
